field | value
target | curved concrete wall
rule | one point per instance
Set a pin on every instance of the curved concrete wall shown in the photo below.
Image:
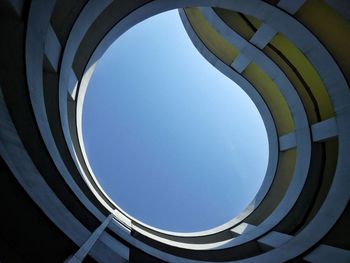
(295, 72)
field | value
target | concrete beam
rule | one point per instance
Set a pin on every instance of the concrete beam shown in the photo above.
(263, 36)
(72, 84)
(324, 130)
(325, 254)
(240, 63)
(85, 248)
(18, 6)
(52, 48)
(273, 240)
(291, 6)
(341, 6)
(242, 228)
(287, 141)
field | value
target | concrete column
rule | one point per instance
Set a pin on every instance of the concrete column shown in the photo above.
(88, 244)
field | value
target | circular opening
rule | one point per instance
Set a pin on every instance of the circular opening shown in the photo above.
(171, 140)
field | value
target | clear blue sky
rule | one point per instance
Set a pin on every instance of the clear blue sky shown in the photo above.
(171, 140)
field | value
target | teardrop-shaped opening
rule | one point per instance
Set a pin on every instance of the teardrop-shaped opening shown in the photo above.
(171, 140)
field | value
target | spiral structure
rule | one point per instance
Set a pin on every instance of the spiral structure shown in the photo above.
(290, 56)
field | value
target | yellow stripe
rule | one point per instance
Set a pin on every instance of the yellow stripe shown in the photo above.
(211, 39)
(272, 96)
(284, 174)
(236, 22)
(301, 70)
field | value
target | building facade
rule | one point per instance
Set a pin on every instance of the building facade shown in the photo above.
(290, 56)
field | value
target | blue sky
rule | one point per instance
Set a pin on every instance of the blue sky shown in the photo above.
(171, 140)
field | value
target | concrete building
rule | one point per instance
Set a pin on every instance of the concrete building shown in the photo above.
(291, 57)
